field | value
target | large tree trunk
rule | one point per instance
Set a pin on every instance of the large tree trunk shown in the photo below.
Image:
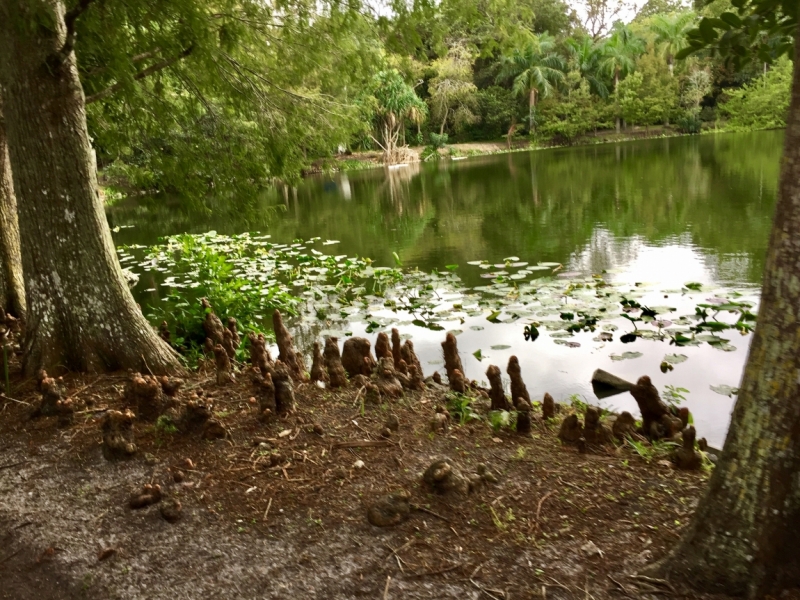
(743, 537)
(12, 290)
(81, 314)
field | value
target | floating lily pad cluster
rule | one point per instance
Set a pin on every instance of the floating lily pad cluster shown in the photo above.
(248, 275)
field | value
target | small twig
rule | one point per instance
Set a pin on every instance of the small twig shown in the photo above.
(485, 591)
(266, 512)
(363, 444)
(16, 464)
(654, 581)
(386, 589)
(622, 587)
(84, 388)
(558, 584)
(146, 366)
(403, 547)
(438, 571)
(538, 512)
(7, 397)
(10, 556)
(430, 512)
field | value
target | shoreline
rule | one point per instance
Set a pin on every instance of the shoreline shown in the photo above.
(358, 161)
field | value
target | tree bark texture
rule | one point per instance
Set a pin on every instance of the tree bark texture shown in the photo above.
(12, 290)
(81, 314)
(743, 538)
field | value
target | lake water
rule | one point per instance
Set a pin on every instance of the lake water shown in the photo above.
(650, 216)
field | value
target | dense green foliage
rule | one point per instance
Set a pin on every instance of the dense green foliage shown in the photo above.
(762, 104)
(197, 97)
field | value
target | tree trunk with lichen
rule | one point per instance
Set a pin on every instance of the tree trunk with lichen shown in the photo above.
(80, 313)
(12, 291)
(743, 537)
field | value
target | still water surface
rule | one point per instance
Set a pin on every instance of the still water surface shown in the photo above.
(654, 215)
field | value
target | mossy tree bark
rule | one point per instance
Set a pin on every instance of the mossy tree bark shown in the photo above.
(80, 313)
(12, 291)
(743, 537)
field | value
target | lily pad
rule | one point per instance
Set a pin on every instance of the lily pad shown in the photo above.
(724, 390)
(675, 359)
(567, 343)
(626, 356)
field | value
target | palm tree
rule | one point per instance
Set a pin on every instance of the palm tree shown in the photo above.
(585, 56)
(619, 54)
(670, 34)
(536, 68)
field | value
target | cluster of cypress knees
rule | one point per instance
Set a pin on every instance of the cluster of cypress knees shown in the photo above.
(394, 368)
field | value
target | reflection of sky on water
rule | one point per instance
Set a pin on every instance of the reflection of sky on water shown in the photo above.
(563, 371)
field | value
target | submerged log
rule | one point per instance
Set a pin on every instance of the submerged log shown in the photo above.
(606, 384)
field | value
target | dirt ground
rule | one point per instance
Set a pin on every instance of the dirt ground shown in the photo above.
(278, 509)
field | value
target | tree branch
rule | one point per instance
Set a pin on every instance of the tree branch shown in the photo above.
(57, 59)
(159, 66)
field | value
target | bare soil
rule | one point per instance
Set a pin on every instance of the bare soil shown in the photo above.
(287, 518)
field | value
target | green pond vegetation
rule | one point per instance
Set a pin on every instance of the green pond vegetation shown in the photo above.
(247, 276)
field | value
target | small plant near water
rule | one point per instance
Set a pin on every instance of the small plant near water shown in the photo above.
(460, 408)
(247, 277)
(673, 395)
(499, 419)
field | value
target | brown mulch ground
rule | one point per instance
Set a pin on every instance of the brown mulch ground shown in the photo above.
(287, 517)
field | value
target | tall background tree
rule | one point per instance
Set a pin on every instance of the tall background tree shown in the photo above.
(670, 34)
(535, 69)
(619, 57)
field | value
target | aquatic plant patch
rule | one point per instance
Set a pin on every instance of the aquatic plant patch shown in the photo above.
(246, 276)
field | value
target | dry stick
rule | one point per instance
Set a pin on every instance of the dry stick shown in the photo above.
(622, 587)
(363, 444)
(430, 512)
(10, 556)
(484, 590)
(539, 510)
(386, 589)
(79, 391)
(653, 581)
(403, 547)
(558, 584)
(438, 571)
(16, 464)
(266, 512)
(4, 397)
